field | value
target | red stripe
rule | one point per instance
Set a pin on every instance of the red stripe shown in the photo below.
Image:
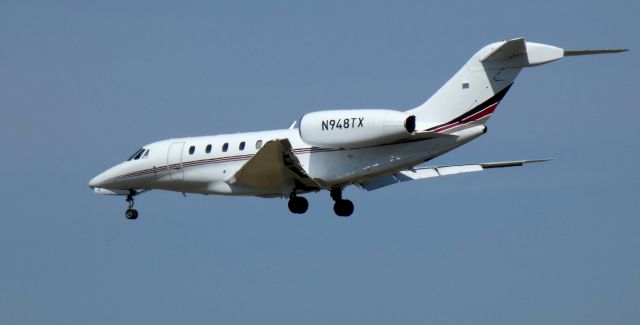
(481, 114)
(195, 163)
(446, 127)
(487, 111)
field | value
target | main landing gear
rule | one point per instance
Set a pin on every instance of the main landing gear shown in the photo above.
(131, 213)
(298, 204)
(341, 207)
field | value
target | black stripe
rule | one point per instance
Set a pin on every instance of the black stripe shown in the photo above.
(493, 100)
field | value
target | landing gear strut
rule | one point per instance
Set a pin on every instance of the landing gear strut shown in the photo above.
(342, 207)
(131, 213)
(298, 204)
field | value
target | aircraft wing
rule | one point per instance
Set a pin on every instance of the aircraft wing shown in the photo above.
(273, 167)
(428, 172)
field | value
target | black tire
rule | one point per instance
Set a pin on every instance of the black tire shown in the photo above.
(303, 205)
(292, 205)
(343, 208)
(131, 214)
(298, 205)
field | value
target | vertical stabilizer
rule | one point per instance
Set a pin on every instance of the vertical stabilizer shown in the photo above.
(473, 94)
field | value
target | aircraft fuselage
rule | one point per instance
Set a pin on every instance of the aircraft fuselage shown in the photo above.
(184, 165)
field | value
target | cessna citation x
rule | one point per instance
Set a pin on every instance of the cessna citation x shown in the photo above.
(329, 150)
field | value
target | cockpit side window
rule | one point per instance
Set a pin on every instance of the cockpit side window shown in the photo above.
(146, 154)
(137, 156)
(137, 153)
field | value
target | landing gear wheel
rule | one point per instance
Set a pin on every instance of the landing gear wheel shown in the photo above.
(131, 214)
(343, 208)
(298, 204)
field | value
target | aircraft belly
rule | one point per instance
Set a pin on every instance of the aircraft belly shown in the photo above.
(211, 179)
(345, 166)
(203, 179)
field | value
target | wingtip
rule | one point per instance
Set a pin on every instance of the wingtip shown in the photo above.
(539, 160)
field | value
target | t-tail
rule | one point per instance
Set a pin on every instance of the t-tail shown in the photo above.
(473, 94)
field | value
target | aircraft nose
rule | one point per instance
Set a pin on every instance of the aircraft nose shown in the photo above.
(96, 181)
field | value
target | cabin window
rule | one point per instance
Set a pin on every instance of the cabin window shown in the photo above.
(258, 144)
(225, 147)
(192, 149)
(241, 146)
(208, 149)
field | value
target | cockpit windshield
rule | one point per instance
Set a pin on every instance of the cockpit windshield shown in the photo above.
(141, 153)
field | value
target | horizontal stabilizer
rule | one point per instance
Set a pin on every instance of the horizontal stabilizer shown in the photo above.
(592, 52)
(428, 172)
(519, 53)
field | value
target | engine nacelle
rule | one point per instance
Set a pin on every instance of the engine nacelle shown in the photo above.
(355, 128)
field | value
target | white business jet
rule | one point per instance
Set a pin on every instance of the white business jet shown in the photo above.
(330, 150)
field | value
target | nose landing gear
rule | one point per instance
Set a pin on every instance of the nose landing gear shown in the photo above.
(131, 213)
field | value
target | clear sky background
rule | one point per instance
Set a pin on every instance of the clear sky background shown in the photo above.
(83, 84)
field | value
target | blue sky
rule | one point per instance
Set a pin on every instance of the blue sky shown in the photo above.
(83, 84)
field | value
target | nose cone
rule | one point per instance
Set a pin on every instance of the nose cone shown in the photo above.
(96, 181)
(101, 180)
(108, 179)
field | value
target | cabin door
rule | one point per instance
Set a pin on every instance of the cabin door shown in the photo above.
(174, 161)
